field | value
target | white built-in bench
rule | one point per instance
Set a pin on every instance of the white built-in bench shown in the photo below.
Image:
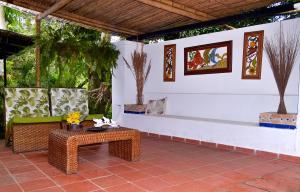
(226, 132)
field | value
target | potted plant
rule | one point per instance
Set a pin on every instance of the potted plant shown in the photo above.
(140, 71)
(282, 51)
(73, 120)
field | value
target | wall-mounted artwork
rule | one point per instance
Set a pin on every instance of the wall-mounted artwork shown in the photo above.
(252, 56)
(169, 62)
(210, 58)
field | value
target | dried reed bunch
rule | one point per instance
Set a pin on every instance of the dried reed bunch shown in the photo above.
(283, 51)
(140, 71)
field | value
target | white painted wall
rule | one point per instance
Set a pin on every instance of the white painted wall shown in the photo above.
(218, 96)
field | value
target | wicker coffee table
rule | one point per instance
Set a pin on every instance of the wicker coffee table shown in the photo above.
(63, 146)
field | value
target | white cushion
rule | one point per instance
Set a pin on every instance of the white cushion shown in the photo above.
(156, 107)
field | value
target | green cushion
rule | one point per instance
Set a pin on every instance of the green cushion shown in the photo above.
(94, 116)
(28, 120)
(36, 119)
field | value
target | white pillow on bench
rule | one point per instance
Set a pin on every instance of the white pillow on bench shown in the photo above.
(156, 107)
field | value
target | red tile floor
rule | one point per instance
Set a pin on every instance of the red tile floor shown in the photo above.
(165, 166)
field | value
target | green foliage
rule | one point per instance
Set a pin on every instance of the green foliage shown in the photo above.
(71, 56)
(19, 22)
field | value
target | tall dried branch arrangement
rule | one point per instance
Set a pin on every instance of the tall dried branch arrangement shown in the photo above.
(282, 51)
(140, 71)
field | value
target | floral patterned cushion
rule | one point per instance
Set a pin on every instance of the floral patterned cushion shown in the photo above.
(26, 102)
(156, 107)
(64, 101)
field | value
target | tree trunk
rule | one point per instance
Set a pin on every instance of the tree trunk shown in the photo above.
(38, 52)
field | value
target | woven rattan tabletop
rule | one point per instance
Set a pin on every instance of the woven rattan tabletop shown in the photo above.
(85, 132)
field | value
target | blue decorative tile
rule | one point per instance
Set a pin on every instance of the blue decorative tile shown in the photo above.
(278, 126)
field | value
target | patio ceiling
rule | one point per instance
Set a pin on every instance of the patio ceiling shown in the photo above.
(135, 17)
(12, 43)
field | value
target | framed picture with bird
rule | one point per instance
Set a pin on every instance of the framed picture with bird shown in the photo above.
(209, 58)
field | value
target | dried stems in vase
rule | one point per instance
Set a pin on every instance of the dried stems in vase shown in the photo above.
(140, 71)
(282, 52)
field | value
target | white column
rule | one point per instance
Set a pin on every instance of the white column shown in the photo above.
(2, 18)
(2, 26)
(298, 119)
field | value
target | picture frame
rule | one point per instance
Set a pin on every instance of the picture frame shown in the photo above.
(208, 58)
(252, 55)
(169, 63)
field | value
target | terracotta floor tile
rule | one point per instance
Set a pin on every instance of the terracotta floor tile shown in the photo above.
(238, 188)
(37, 184)
(94, 173)
(281, 181)
(106, 163)
(50, 189)
(68, 179)
(119, 169)
(133, 175)
(36, 157)
(156, 171)
(22, 169)
(214, 168)
(164, 166)
(128, 187)
(254, 171)
(13, 164)
(11, 158)
(198, 173)
(139, 165)
(194, 186)
(237, 177)
(28, 176)
(269, 185)
(176, 178)
(84, 166)
(84, 186)
(218, 181)
(109, 181)
(233, 165)
(3, 172)
(152, 184)
(6, 180)
(52, 171)
(10, 188)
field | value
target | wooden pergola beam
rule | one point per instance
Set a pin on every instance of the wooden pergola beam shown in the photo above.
(80, 20)
(178, 8)
(57, 6)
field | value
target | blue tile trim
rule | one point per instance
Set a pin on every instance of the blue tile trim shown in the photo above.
(279, 126)
(134, 112)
